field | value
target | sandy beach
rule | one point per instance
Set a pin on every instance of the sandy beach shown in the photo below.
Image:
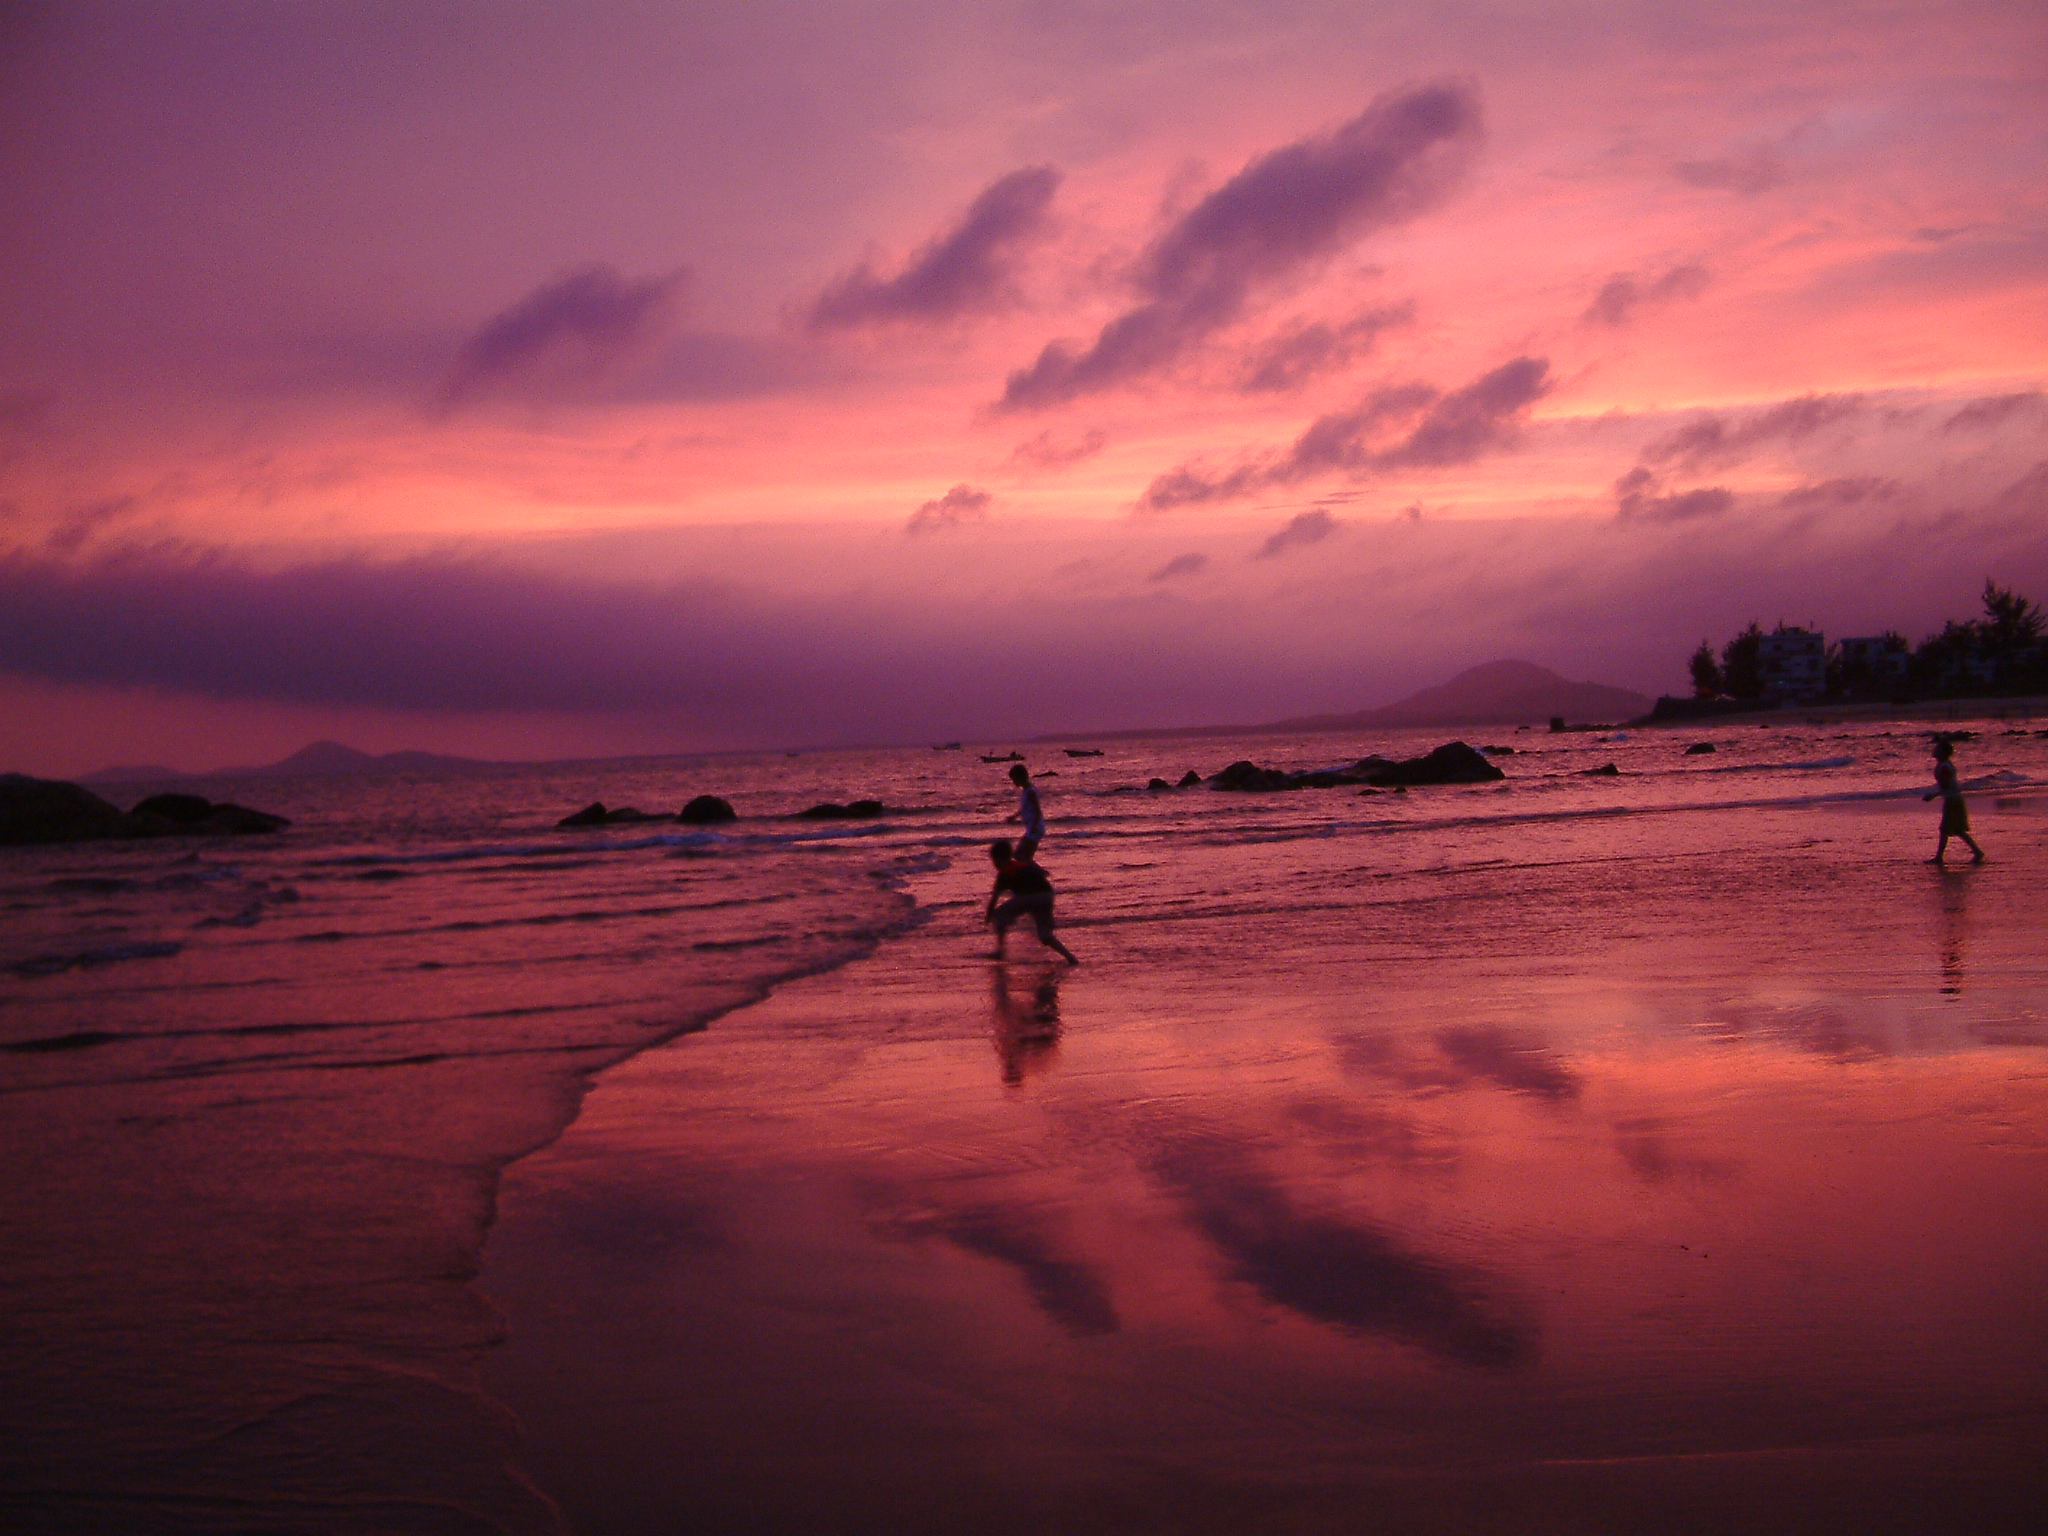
(1645, 1184)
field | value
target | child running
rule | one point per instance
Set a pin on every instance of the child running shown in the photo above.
(1029, 892)
(1955, 816)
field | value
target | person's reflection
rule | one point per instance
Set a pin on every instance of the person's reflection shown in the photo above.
(1026, 1028)
(1955, 928)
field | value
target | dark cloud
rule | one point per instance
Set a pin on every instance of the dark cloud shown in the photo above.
(79, 525)
(962, 504)
(1192, 564)
(1622, 295)
(1067, 1290)
(1513, 1062)
(571, 332)
(1049, 451)
(1402, 427)
(964, 271)
(1350, 1275)
(1989, 411)
(1306, 528)
(1306, 352)
(1719, 440)
(1285, 211)
(1639, 497)
(1844, 491)
(1757, 170)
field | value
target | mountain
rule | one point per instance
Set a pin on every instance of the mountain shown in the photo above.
(1495, 693)
(321, 760)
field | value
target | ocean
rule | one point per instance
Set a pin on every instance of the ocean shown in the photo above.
(427, 1167)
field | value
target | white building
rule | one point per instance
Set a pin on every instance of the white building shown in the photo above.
(1793, 664)
(1873, 661)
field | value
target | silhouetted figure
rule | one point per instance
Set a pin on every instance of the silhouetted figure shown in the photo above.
(1955, 816)
(1022, 889)
(1029, 811)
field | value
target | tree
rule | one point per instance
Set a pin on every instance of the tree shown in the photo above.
(2010, 621)
(1742, 672)
(1706, 671)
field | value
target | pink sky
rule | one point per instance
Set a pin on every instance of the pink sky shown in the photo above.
(573, 379)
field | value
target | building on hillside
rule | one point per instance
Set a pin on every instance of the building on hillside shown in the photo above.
(1792, 664)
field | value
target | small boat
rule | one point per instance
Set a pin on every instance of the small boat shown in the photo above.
(1084, 751)
(946, 746)
(1008, 757)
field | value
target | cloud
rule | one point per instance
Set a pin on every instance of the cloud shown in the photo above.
(569, 333)
(1350, 1275)
(1728, 439)
(1639, 498)
(1282, 213)
(1049, 451)
(1401, 427)
(1989, 411)
(81, 523)
(1306, 528)
(1192, 564)
(1067, 1289)
(962, 504)
(1757, 170)
(1622, 295)
(962, 272)
(1304, 352)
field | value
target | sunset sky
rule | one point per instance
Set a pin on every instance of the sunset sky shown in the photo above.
(554, 380)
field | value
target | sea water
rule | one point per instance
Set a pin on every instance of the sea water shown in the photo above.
(261, 1094)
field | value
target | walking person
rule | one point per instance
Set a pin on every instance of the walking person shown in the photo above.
(1029, 811)
(1955, 816)
(1022, 889)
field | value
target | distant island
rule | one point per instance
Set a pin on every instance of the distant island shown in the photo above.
(1493, 693)
(320, 760)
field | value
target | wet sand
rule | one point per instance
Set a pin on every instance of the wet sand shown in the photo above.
(1636, 1182)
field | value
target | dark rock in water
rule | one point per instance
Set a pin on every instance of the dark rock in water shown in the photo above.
(1498, 751)
(1191, 778)
(1247, 776)
(860, 810)
(629, 813)
(1452, 763)
(1159, 784)
(1604, 771)
(709, 808)
(592, 815)
(51, 811)
(1699, 747)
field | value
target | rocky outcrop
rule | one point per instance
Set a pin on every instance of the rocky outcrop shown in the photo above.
(52, 811)
(1189, 779)
(860, 810)
(1451, 763)
(706, 809)
(1159, 784)
(595, 815)
(1699, 748)
(1604, 771)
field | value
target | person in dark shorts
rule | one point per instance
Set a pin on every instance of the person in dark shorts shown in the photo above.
(1022, 889)
(1955, 816)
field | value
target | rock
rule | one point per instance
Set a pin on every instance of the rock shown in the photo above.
(1451, 763)
(1246, 776)
(51, 811)
(1498, 751)
(1604, 771)
(1159, 784)
(1191, 779)
(592, 815)
(709, 808)
(1699, 747)
(860, 810)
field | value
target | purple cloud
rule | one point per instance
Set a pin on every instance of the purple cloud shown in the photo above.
(571, 331)
(1305, 528)
(1433, 430)
(1622, 295)
(1988, 411)
(1049, 451)
(1723, 440)
(962, 504)
(1304, 352)
(1282, 213)
(1181, 565)
(961, 272)
(1639, 497)
(1758, 170)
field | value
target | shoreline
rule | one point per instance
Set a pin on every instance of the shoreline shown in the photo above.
(2024, 707)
